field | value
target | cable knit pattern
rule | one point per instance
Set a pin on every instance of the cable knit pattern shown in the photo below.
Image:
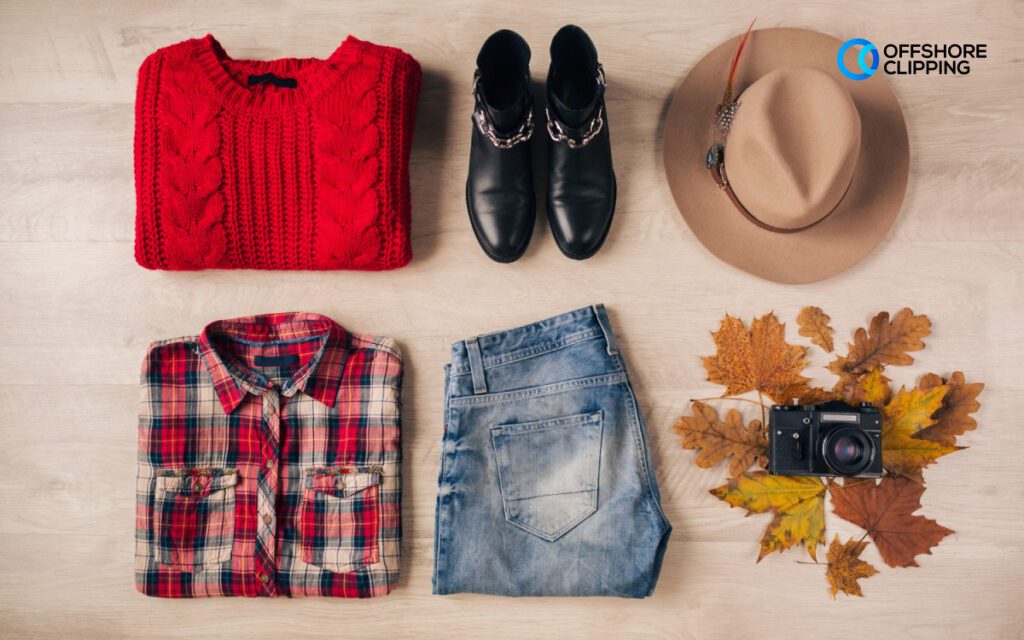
(231, 175)
(349, 169)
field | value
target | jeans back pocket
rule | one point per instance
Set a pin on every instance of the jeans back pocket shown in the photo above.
(194, 517)
(548, 472)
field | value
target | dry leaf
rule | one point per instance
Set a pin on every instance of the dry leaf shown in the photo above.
(954, 417)
(906, 414)
(814, 325)
(885, 510)
(804, 394)
(873, 387)
(717, 440)
(876, 389)
(758, 359)
(845, 567)
(883, 343)
(797, 502)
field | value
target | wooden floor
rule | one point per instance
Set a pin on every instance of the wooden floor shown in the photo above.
(76, 315)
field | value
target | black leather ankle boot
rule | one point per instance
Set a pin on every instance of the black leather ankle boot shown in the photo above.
(581, 181)
(499, 191)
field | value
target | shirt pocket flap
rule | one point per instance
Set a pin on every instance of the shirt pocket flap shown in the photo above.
(343, 482)
(197, 483)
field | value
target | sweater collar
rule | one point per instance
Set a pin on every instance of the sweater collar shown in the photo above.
(312, 75)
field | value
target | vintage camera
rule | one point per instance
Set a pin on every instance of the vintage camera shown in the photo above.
(830, 439)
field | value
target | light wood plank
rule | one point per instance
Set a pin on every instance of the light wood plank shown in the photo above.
(77, 315)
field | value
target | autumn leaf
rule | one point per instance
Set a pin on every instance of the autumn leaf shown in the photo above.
(845, 567)
(814, 325)
(797, 502)
(755, 359)
(806, 394)
(904, 416)
(872, 387)
(883, 343)
(954, 417)
(716, 440)
(876, 389)
(885, 510)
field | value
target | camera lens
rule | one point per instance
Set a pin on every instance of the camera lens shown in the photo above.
(847, 450)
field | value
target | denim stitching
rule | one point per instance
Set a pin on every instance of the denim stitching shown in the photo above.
(515, 428)
(558, 387)
(530, 352)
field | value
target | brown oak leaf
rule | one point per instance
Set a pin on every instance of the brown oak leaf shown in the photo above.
(716, 440)
(845, 567)
(814, 324)
(904, 416)
(797, 502)
(885, 342)
(954, 417)
(755, 359)
(885, 510)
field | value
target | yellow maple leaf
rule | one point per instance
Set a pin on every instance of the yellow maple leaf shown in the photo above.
(906, 414)
(797, 502)
(756, 359)
(845, 567)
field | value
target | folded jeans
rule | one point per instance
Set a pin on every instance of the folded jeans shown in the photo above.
(546, 485)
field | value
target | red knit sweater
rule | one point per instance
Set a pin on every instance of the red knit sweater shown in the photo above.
(234, 172)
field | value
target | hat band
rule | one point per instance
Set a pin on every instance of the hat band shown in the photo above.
(716, 164)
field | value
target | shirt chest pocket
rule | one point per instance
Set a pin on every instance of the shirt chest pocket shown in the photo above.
(340, 518)
(194, 517)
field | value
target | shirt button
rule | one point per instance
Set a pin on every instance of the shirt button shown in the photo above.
(197, 486)
(270, 464)
(267, 518)
(264, 578)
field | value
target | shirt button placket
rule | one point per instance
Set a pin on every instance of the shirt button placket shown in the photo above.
(267, 492)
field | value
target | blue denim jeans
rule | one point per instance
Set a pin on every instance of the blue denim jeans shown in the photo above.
(546, 486)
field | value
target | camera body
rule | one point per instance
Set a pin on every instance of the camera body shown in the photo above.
(830, 439)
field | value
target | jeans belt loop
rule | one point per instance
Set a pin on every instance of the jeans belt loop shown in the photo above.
(606, 328)
(476, 366)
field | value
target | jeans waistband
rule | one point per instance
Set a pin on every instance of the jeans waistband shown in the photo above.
(502, 347)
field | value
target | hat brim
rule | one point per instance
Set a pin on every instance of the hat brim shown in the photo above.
(861, 219)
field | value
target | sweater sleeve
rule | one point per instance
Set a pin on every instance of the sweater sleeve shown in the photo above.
(148, 251)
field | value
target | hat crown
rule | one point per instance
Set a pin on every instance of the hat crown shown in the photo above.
(793, 146)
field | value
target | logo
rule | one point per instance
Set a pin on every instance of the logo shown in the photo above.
(867, 68)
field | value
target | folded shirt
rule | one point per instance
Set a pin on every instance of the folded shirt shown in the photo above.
(269, 461)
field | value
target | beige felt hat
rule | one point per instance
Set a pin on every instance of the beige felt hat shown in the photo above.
(804, 174)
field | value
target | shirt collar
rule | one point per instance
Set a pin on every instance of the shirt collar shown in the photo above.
(319, 378)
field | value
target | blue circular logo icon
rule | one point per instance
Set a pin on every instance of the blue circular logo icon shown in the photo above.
(867, 68)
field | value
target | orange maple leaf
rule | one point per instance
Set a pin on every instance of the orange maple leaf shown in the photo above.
(885, 510)
(845, 567)
(756, 359)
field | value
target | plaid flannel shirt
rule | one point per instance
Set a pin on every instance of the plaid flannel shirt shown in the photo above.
(269, 461)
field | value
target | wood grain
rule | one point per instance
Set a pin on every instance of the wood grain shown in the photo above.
(77, 314)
